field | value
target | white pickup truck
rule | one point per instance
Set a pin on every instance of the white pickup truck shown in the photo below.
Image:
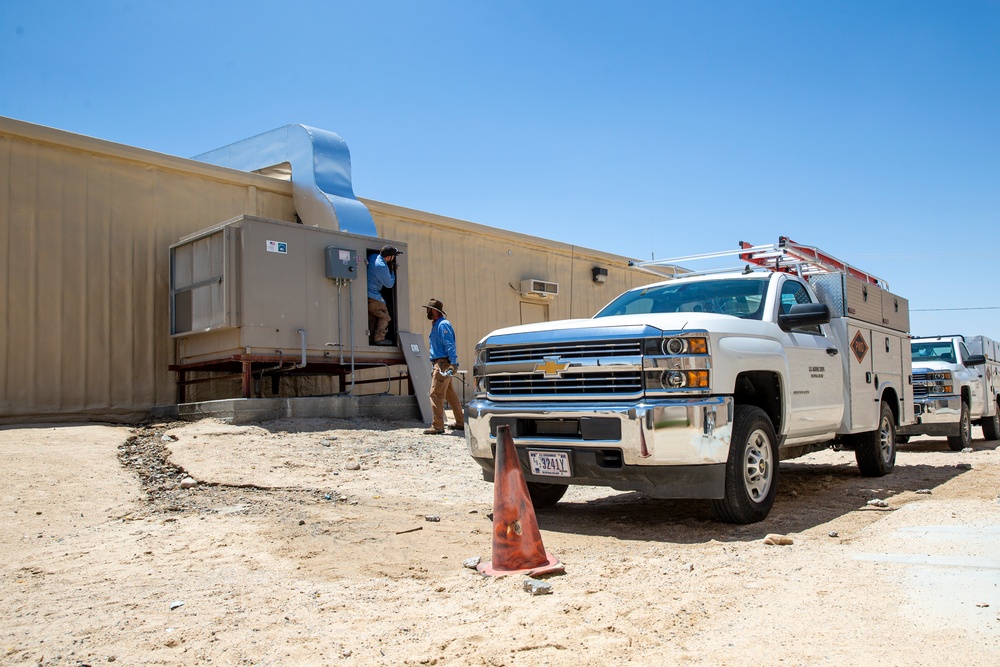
(956, 383)
(698, 386)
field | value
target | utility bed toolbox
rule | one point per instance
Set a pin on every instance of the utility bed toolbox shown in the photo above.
(984, 346)
(895, 312)
(848, 296)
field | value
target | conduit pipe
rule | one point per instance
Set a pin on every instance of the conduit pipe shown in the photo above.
(301, 332)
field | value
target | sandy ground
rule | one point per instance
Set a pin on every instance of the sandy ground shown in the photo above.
(307, 543)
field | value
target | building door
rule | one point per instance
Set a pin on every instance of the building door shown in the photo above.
(534, 312)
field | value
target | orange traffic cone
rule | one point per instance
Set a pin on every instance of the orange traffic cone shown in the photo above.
(517, 544)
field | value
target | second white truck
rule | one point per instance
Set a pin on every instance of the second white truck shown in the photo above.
(696, 387)
(956, 383)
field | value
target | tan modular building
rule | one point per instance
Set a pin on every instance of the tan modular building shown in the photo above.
(89, 231)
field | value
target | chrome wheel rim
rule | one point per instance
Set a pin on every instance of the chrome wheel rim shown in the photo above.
(887, 439)
(758, 468)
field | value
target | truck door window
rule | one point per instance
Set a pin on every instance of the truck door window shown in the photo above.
(794, 292)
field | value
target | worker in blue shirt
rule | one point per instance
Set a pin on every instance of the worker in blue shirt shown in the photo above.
(381, 274)
(444, 363)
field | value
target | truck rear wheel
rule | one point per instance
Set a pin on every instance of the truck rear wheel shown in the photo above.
(964, 438)
(875, 451)
(991, 425)
(751, 469)
(544, 494)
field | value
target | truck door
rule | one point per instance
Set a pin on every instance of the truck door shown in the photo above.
(975, 377)
(815, 372)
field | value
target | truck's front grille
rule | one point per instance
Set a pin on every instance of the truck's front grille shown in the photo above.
(569, 384)
(575, 350)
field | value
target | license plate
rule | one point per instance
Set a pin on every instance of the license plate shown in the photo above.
(549, 464)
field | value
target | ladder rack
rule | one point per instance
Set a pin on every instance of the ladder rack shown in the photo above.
(785, 256)
(789, 256)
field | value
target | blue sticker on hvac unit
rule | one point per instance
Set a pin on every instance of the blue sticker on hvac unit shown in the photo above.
(277, 246)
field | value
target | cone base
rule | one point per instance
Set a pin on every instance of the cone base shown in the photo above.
(551, 566)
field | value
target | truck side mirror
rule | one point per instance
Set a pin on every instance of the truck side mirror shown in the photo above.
(974, 360)
(804, 315)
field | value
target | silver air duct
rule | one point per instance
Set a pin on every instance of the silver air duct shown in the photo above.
(320, 166)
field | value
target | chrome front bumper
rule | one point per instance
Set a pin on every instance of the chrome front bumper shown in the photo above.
(673, 448)
(934, 416)
(693, 431)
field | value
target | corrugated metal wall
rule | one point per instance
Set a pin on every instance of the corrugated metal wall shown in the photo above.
(85, 230)
(85, 227)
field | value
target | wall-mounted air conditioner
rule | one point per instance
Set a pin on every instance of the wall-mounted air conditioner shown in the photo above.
(536, 287)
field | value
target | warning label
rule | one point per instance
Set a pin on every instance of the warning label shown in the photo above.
(859, 346)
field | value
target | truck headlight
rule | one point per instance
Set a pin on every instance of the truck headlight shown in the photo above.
(684, 379)
(676, 362)
(685, 345)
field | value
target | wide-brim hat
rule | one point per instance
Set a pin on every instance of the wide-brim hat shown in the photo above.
(434, 304)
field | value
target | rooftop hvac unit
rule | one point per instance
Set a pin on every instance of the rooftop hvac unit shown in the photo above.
(535, 287)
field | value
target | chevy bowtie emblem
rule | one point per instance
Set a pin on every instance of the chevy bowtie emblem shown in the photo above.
(552, 368)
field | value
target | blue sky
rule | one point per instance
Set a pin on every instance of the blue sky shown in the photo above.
(868, 128)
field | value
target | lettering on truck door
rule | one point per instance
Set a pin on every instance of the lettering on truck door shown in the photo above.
(816, 399)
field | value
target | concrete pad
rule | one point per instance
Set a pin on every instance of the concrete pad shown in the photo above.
(946, 557)
(251, 410)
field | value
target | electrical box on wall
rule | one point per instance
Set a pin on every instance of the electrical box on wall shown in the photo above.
(536, 287)
(341, 263)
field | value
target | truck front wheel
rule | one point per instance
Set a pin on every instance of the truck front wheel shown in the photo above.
(875, 451)
(544, 494)
(964, 438)
(751, 469)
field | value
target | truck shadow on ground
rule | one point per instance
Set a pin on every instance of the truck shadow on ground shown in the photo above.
(809, 495)
(941, 445)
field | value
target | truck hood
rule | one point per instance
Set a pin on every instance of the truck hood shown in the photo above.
(622, 326)
(930, 366)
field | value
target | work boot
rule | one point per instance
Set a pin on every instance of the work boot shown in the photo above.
(456, 427)
(434, 431)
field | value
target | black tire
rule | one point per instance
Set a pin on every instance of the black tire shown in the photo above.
(964, 438)
(544, 494)
(991, 425)
(902, 439)
(875, 451)
(751, 469)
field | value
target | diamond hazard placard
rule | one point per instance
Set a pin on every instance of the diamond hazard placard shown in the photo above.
(860, 346)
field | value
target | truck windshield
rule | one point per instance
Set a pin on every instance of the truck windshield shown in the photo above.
(742, 298)
(942, 351)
